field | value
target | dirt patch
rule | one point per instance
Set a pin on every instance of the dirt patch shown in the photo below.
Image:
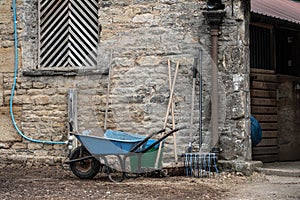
(57, 183)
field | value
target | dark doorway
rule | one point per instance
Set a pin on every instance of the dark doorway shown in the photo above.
(275, 90)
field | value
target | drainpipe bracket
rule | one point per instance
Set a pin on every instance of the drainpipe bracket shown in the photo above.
(214, 18)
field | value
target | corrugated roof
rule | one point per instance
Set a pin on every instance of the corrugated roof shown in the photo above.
(283, 9)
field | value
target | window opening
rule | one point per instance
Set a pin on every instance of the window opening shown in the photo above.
(260, 48)
(68, 33)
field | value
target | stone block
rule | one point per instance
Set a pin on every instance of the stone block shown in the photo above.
(34, 146)
(58, 99)
(7, 130)
(149, 61)
(146, 19)
(5, 12)
(246, 167)
(41, 100)
(7, 59)
(19, 145)
(122, 19)
(4, 145)
(1, 98)
(38, 85)
(1, 81)
(40, 153)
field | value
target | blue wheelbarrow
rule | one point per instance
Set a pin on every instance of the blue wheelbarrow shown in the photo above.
(94, 153)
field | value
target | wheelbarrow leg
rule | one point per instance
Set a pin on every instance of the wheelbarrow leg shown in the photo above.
(115, 175)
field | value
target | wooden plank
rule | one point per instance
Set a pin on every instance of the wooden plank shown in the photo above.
(263, 85)
(266, 118)
(266, 158)
(265, 150)
(72, 109)
(268, 142)
(263, 93)
(73, 114)
(263, 110)
(263, 77)
(261, 71)
(263, 102)
(270, 134)
(268, 126)
(263, 25)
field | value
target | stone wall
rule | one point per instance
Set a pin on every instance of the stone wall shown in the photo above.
(8, 136)
(137, 40)
(234, 69)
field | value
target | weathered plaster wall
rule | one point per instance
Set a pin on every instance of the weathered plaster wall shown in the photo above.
(288, 122)
(140, 36)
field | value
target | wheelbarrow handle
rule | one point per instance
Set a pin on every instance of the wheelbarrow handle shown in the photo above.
(162, 138)
(145, 140)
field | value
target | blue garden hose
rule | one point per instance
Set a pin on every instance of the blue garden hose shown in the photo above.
(15, 82)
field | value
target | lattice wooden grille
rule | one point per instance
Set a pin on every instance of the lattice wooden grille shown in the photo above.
(68, 33)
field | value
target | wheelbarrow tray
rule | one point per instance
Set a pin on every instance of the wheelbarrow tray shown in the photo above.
(107, 146)
(120, 135)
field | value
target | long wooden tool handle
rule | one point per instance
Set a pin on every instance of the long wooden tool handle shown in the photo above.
(193, 97)
(168, 112)
(108, 88)
(171, 95)
(173, 114)
(162, 138)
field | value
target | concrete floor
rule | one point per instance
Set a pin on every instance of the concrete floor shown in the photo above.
(291, 169)
(277, 181)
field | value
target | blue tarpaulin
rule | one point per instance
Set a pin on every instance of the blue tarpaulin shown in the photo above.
(256, 132)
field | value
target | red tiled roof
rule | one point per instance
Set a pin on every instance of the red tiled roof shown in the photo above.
(283, 9)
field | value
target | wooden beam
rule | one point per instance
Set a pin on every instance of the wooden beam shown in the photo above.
(262, 25)
(263, 110)
(270, 134)
(266, 118)
(263, 85)
(263, 102)
(264, 77)
(265, 150)
(268, 142)
(263, 93)
(268, 126)
(266, 158)
(262, 71)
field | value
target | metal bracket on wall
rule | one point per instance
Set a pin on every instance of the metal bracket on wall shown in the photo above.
(72, 113)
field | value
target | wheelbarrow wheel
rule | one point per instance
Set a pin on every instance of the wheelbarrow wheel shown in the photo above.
(84, 169)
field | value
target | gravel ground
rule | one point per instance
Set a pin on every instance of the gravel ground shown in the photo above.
(58, 183)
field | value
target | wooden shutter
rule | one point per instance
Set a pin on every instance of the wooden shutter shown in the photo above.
(68, 33)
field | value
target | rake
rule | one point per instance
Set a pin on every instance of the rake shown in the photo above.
(198, 164)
